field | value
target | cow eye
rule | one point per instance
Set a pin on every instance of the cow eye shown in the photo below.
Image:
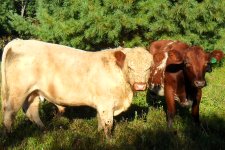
(207, 64)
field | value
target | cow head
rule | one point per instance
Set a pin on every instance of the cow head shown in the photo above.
(135, 64)
(197, 63)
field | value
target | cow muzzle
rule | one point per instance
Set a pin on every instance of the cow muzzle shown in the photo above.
(199, 84)
(139, 86)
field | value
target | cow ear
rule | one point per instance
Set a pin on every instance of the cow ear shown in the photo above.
(158, 57)
(174, 57)
(216, 56)
(120, 58)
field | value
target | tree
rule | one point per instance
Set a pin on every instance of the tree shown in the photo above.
(97, 24)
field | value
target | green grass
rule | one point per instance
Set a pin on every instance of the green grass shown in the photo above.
(143, 126)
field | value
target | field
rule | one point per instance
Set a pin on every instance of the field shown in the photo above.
(143, 126)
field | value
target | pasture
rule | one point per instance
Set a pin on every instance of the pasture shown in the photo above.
(143, 126)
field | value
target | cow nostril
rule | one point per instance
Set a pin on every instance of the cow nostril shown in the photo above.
(199, 83)
(139, 86)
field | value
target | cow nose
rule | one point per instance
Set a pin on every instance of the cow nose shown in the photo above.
(139, 86)
(199, 84)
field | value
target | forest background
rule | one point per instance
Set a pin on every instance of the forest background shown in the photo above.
(99, 24)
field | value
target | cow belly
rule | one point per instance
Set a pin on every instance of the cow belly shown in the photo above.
(157, 89)
(82, 91)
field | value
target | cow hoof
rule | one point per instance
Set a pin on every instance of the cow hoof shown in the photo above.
(187, 103)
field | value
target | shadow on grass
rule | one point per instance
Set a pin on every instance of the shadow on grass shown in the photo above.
(145, 136)
(156, 101)
(133, 112)
(209, 136)
(24, 128)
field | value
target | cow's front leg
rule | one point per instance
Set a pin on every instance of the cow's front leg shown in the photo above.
(182, 99)
(169, 95)
(181, 96)
(99, 122)
(195, 107)
(106, 119)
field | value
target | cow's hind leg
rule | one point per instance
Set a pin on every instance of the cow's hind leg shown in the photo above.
(10, 107)
(106, 119)
(31, 109)
(8, 116)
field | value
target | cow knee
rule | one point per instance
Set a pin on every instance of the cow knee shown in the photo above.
(109, 123)
(106, 118)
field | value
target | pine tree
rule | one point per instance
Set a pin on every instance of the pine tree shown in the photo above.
(97, 24)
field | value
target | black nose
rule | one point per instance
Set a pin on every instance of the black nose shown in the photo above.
(199, 84)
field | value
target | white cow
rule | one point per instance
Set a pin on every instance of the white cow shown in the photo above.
(104, 80)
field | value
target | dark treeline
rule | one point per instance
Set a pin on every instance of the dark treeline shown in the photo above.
(97, 24)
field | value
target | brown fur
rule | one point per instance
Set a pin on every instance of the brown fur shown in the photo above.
(182, 77)
(218, 54)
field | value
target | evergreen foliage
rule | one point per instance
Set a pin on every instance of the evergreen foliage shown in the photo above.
(5, 8)
(98, 24)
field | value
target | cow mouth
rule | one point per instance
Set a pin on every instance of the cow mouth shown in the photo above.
(139, 86)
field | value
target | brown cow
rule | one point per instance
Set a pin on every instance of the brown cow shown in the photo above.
(65, 76)
(179, 74)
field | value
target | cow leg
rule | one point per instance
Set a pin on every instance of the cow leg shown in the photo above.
(183, 101)
(100, 127)
(8, 116)
(10, 107)
(31, 109)
(169, 95)
(195, 106)
(106, 119)
(181, 93)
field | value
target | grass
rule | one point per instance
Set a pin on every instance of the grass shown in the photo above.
(143, 126)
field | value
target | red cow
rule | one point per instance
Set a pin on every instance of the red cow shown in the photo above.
(178, 74)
